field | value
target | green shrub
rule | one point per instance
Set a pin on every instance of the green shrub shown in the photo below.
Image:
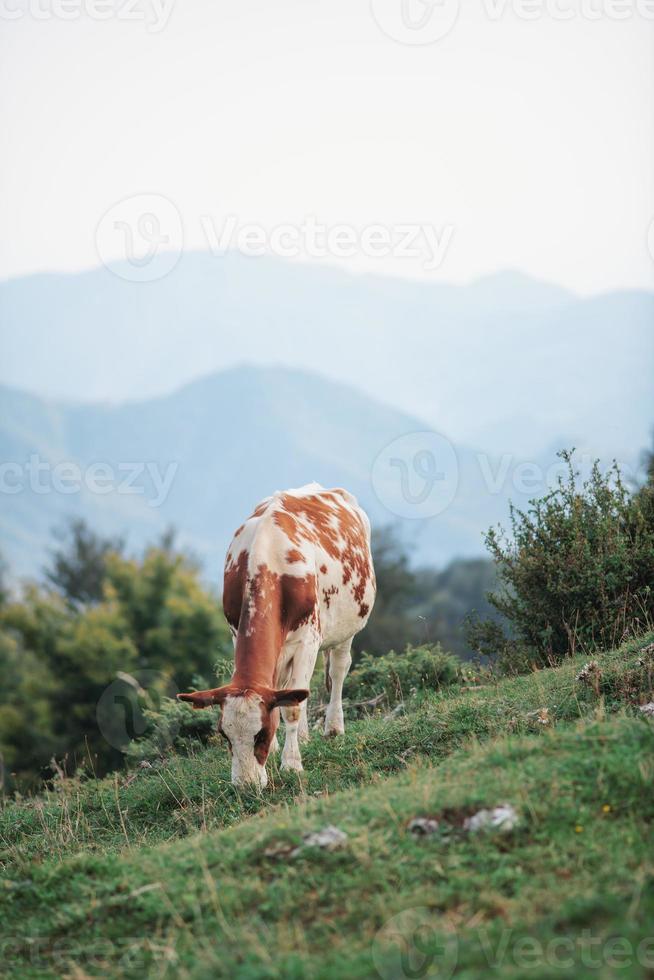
(77, 669)
(173, 727)
(576, 574)
(398, 675)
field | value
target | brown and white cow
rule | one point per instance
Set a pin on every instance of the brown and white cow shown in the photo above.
(298, 579)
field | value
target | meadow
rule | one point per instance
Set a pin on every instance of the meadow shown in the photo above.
(169, 870)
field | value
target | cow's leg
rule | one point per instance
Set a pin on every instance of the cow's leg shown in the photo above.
(295, 717)
(303, 727)
(291, 758)
(339, 664)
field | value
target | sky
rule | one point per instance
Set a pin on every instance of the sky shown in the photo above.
(522, 137)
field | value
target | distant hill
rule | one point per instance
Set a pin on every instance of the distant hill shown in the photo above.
(505, 362)
(230, 439)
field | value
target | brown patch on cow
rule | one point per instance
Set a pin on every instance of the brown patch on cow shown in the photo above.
(328, 593)
(322, 519)
(239, 530)
(364, 609)
(288, 524)
(270, 607)
(293, 555)
(323, 569)
(264, 737)
(234, 587)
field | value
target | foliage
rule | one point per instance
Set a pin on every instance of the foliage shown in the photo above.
(171, 727)
(81, 675)
(78, 567)
(128, 876)
(391, 623)
(577, 572)
(422, 605)
(4, 587)
(423, 668)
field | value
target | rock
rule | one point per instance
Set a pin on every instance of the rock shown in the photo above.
(647, 709)
(503, 818)
(422, 826)
(144, 764)
(329, 839)
(278, 851)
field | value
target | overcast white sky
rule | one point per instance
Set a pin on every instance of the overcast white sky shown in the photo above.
(532, 139)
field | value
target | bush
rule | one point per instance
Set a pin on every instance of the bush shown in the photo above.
(83, 675)
(398, 675)
(173, 727)
(576, 574)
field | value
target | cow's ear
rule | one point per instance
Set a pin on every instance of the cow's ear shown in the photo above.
(204, 699)
(284, 699)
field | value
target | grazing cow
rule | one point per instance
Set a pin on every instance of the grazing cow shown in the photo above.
(298, 579)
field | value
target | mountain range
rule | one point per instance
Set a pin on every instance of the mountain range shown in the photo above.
(230, 377)
(507, 362)
(201, 457)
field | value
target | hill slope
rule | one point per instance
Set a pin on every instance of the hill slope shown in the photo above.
(82, 894)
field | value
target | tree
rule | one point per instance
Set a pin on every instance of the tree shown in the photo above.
(391, 625)
(78, 566)
(80, 672)
(422, 605)
(4, 587)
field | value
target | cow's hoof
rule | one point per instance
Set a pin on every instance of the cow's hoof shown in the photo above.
(291, 765)
(334, 724)
(331, 731)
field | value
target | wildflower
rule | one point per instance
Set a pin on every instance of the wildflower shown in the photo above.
(588, 671)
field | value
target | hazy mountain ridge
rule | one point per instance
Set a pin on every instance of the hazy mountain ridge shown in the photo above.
(226, 441)
(434, 350)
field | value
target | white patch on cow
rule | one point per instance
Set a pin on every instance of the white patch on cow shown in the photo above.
(241, 722)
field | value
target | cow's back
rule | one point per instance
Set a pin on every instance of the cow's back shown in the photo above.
(307, 552)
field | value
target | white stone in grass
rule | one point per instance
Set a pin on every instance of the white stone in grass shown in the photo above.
(329, 838)
(421, 826)
(503, 818)
(647, 709)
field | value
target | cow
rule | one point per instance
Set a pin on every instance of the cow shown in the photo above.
(298, 580)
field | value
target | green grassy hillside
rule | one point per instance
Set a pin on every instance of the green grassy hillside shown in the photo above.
(171, 871)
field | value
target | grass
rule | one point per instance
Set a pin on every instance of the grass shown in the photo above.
(173, 872)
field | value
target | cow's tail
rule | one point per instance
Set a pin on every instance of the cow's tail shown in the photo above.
(328, 678)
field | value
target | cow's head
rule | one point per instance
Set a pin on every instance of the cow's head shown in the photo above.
(248, 722)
